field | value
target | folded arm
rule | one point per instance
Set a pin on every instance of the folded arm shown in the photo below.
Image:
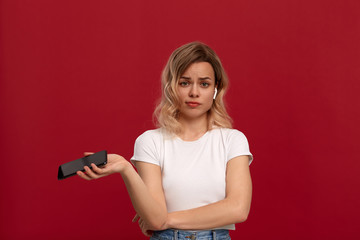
(233, 209)
(146, 194)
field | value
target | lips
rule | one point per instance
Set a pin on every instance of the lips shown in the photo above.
(192, 104)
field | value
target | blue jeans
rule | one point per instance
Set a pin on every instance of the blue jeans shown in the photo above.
(174, 234)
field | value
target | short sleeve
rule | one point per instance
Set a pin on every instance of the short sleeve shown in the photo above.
(145, 149)
(238, 145)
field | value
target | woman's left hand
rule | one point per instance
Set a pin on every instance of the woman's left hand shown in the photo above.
(145, 229)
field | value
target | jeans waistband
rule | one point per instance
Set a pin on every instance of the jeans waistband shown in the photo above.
(175, 234)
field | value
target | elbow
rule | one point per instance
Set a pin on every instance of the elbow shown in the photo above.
(158, 224)
(241, 214)
(242, 217)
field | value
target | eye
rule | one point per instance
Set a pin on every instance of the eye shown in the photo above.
(184, 83)
(204, 84)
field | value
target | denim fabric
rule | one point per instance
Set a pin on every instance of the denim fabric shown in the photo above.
(171, 234)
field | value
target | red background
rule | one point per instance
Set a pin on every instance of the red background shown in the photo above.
(80, 75)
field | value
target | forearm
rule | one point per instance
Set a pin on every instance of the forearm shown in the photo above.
(150, 210)
(224, 212)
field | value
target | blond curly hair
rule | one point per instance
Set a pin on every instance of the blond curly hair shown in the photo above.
(167, 111)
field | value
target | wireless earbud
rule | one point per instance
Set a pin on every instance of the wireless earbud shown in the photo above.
(215, 93)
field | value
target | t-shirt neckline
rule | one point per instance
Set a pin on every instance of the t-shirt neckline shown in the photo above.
(195, 141)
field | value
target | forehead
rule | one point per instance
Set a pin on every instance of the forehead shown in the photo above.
(199, 69)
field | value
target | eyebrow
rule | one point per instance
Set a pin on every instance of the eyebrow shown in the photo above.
(201, 79)
(205, 78)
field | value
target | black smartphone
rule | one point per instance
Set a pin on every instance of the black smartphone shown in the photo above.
(70, 168)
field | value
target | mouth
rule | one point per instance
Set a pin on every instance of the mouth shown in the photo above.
(192, 104)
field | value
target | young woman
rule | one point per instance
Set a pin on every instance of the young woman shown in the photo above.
(193, 179)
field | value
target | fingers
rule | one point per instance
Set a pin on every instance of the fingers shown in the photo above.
(90, 173)
(83, 175)
(96, 169)
(88, 153)
(144, 228)
(135, 218)
(142, 224)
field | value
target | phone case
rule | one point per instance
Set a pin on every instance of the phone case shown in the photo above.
(70, 168)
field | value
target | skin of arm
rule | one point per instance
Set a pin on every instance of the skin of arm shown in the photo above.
(145, 192)
(233, 209)
(150, 206)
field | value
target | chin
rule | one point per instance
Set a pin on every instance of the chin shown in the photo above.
(193, 115)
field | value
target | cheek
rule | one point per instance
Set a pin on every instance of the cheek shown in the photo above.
(182, 93)
(209, 95)
(208, 98)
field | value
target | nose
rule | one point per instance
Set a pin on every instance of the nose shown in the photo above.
(194, 91)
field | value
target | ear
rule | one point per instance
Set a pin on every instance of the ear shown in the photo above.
(215, 93)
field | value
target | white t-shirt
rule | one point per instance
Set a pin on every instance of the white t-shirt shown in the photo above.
(193, 173)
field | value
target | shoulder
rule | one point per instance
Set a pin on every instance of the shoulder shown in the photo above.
(229, 134)
(150, 135)
(235, 142)
(147, 147)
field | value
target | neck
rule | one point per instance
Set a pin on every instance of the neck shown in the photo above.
(193, 129)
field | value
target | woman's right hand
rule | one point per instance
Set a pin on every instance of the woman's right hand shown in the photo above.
(115, 164)
(143, 226)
